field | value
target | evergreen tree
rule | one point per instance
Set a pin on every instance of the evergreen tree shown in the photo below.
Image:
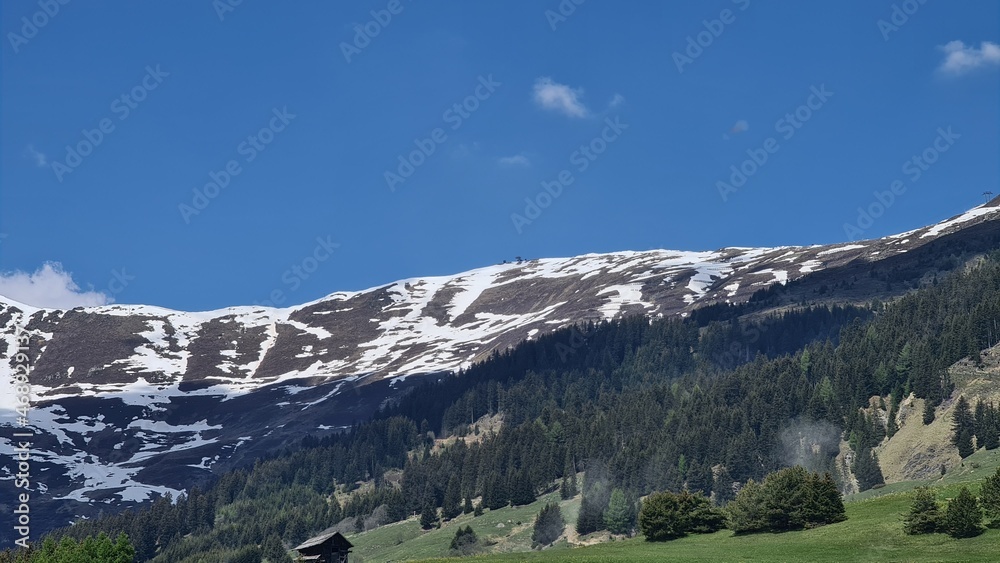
(991, 428)
(662, 518)
(964, 517)
(618, 516)
(548, 526)
(925, 515)
(825, 504)
(452, 505)
(989, 498)
(702, 517)
(746, 512)
(521, 490)
(429, 517)
(981, 422)
(568, 487)
(928, 413)
(467, 508)
(963, 428)
(867, 470)
(465, 541)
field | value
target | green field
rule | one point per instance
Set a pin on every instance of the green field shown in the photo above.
(873, 532)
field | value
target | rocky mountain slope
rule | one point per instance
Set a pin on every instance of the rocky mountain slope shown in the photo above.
(131, 401)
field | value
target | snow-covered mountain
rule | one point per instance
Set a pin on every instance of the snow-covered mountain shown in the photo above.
(133, 400)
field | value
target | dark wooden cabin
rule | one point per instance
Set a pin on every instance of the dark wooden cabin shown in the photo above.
(328, 547)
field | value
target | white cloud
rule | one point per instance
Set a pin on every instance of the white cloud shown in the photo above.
(617, 100)
(960, 59)
(40, 159)
(50, 287)
(516, 160)
(559, 97)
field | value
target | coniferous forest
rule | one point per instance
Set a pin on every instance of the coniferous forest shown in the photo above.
(701, 404)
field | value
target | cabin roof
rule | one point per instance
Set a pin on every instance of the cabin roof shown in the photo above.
(338, 539)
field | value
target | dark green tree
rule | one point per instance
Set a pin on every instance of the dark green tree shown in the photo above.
(465, 542)
(867, 470)
(548, 526)
(925, 515)
(619, 517)
(989, 498)
(964, 517)
(662, 518)
(429, 517)
(963, 428)
(452, 506)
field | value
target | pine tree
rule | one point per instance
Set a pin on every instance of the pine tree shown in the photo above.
(521, 490)
(568, 488)
(989, 498)
(928, 415)
(825, 504)
(981, 422)
(429, 517)
(746, 511)
(548, 526)
(661, 518)
(964, 517)
(465, 541)
(963, 428)
(867, 470)
(618, 516)
(452, 505)
(991, 428)
(467, 508)
(963, 440)
(925, 515)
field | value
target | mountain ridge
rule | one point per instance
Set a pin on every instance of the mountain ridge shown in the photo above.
(134, 401)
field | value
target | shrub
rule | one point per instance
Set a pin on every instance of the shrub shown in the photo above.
(667, 516)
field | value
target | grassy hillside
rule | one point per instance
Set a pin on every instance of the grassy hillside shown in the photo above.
(873, 532)
(509, 529)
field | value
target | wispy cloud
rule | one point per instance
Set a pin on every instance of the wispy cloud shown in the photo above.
(960, 58)
(50, 286)
(516, 160)
(616, 101)
(552, 96)
(40, 159)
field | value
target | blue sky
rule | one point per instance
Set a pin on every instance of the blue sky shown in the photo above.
(643, 109)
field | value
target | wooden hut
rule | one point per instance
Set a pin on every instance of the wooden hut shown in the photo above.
(328, 547)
